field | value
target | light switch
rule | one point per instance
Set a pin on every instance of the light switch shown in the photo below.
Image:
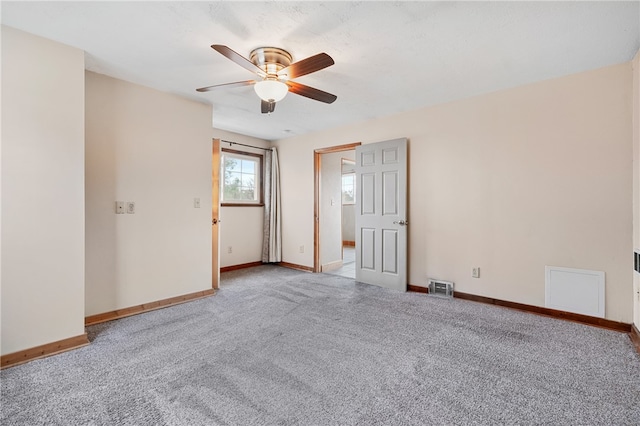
(119, 207)
(196, 203)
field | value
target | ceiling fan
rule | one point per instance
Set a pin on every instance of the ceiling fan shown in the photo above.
(274, 68)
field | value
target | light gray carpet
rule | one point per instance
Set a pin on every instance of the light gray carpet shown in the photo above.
(281, 347)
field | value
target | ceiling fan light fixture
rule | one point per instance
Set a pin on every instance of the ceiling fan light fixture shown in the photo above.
(271, 90)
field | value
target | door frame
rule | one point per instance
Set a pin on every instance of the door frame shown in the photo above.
(317, 163)
(215, 214)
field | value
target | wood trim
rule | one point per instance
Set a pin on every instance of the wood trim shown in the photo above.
(146, 307)
(349, 243)
(294, 266)
(317, 163)
(568, 316)
(42, 351)
(348, 160)
(417, 289)
(338, 148)
(215, 214)
(634, 335)
(240, 266)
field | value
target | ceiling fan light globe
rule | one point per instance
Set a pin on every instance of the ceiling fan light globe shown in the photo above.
(271, 90)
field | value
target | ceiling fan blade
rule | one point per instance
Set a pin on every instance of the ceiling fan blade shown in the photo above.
(235, 84)
(238, 58)
(310, 92)
(267, 107)
(307, 66)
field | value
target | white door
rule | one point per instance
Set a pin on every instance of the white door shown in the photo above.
(381, 214)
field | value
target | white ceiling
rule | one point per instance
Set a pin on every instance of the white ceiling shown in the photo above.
(390, 56)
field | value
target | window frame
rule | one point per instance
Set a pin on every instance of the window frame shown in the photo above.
(260, 174)
(342, 176)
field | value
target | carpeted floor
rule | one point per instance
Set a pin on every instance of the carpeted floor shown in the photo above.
(281, 347)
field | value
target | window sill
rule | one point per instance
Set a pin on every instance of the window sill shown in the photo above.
(241, 205)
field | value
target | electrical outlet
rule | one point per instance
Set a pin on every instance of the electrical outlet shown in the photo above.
(131, 207)
(230, 250)
(119, 207)
(196, 203)
(301, 249)
(475, 272)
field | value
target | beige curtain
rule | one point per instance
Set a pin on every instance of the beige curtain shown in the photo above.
(272, 229)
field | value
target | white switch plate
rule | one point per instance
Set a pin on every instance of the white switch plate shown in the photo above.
(131, 207)
(196, 203)
(475, 272)
(119, 207)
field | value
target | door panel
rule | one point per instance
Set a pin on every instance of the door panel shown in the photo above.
(390, 156)
(381, 209)
(367, 249)
(389, 251)
(368, 158)
(368, 185)
(390, 193)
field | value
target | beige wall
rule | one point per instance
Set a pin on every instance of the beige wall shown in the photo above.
(42, 191)
(349, 222)
(240, 227)
(510, 182)
(152, 148)
(636, 181)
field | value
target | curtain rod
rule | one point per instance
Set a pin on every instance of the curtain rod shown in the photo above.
(242, 144)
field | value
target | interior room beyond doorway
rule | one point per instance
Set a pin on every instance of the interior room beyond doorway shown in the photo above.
(334, 210)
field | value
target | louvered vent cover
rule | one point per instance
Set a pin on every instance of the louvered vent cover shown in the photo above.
(441, 288)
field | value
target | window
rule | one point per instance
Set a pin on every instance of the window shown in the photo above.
(241, 183)
(349, 188)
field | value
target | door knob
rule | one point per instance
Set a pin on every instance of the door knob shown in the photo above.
(401, 223)
(214, 221)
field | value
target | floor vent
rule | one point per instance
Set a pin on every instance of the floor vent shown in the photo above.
(440, 288)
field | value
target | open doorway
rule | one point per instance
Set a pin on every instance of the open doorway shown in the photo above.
(348, 219)
(334, 233)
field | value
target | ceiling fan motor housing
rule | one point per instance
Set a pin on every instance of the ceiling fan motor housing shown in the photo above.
(270, 59)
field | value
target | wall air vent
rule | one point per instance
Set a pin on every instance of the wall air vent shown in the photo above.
(580, 291)
(440, 288)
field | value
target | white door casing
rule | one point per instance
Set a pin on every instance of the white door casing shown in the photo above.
(381, 214)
